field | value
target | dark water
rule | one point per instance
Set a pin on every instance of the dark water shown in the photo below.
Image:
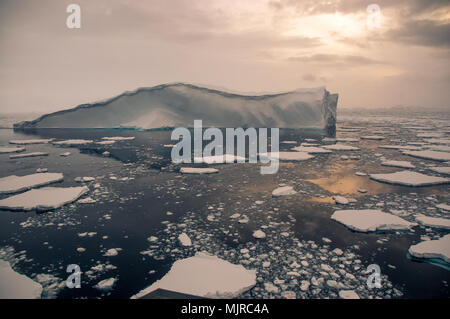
(129, 211)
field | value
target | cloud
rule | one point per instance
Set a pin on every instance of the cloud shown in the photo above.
(336, 60)
(423, 33)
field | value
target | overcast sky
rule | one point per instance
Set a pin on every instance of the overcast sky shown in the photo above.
(240, 45)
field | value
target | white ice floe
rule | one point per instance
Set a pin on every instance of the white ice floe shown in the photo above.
(370, 220)
(43, 198)
(341, 147)
(435, 222)
(432, 155)
(288, 156)
(372, 137)
(198, 170)
(439, 249)
(288, 142)
(84, 179)
(341, 200)
(112, 252)
(8, 149)
(219, 159)
(185, 240)
(443, 206)
(87, 200)
(402, 164)
(441, 170)
(118, 138)
(23, 155)
(16, 286)
(347, 139)
(65, 154)
(73, 142)
(14, 184)
(348, 294)
(205, 276)
(409, 178)
(283, 191)
(310, 149)
(106, 142)
(259, 234)
(430, 134)
(35, 141)
(106, 284)
(401, 147)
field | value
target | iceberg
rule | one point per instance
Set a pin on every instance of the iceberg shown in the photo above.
(179, 104)
(370, 220)
(16, 286)
(206, 276)
(43, 199)
(14, 184)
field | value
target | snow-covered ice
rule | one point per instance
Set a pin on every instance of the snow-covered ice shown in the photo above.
(432, 155)
(310, 149)
(439, 249)
(32, 141)
(341, 147)
(14, 184)
(409, 178)
(341, 200)
(106, 284)
(436, 222)
(118, 138)
(219, 159)
(73, 142)
(17, 286)
(43, 198)
(198, 170)
(32, 154)
(441, 169)
(259, 234)
(370, 220)
(348, 294)
(372, 137)
(206, 276)
(443, 206)
(283, 191)
(184, 240)
(9, 149)
(288, 156)
(402, 164)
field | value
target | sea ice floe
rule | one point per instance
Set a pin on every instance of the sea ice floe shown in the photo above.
(7, 149)
(409, 178)
(310, 149)
(65, 154)
(259, 234)
(436, 249)
(283, 191)
(219, 159)
(184, 240)
(402, 164)
(432, 155)
(23, 155)
(443, 206)
(347, 139)
(17, 286)
(341, 147)
(73, 142)
(107, 142)
(43, 198)
(348, 294)
(84, 179)
(118, 138)
(87, 200)
(112, 252)
(341, 200)
(401, 147)
(441, 169)
(436, 222)
(288, 156)
(106, 284)
(198, 170)
(33, 141)
(206, 276)
(370, 220)
(14, 184)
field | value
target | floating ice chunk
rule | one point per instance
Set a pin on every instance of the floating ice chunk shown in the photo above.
(259, 234)
(401, 147)
(65, 154)
(441, 170)
(341, 147)
(43, 198)
(112, 252)
(35, 141)
(185, 240)
(370, 220)
(7, 149)
(205, 276)
(443, 206)
(219, 159)
(310, 149)
(288, 142)
(402, 164)
(443, 223)
(84, 179)
(347, 139)
(73, 142)
(372, 137)
(409, 178)
(23, 155)
(16, 286)
(432, 155)
(106, 284)
(198, 170)
(288, 156)
(361, 174)
(439, 148)
(439, 249)
(235, 215)
(14, 184)
(118, 138)
(429, 134)
(152, 239)
(283, 191)
(341, 200)
(348, 294)
(107, 142)
(87, 200)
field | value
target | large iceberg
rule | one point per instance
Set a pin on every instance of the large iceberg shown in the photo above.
(179, 104)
